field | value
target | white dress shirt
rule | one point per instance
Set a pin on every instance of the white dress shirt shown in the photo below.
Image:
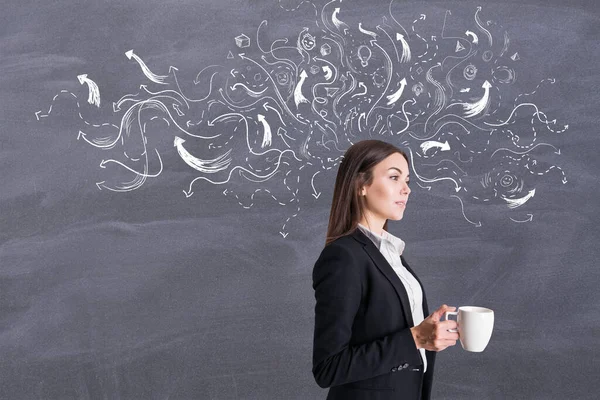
(392, 247)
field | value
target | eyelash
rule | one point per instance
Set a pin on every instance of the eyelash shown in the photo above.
(396, 176)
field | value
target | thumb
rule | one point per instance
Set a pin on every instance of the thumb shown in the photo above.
(437, 314)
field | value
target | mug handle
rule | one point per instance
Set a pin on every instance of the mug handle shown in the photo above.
(447, 314)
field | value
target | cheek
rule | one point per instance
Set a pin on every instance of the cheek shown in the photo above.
(384, 194)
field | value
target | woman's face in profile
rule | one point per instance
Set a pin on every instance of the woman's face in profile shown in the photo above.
(387, 195)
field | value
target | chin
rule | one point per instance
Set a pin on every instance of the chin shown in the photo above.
(397, 217)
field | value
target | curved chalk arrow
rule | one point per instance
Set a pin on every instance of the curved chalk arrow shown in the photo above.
(206, 166)
(405, 48)
(396, 96)
(298, 96)
(312, 183)
(514, 203)
(360, 84)
(366, 32)
(335, 19)
(472, 109)
(94, 92)
(267, 136)
(462, 206)
(149, 74)
(480, 26)
(473, 35)
(431, 143)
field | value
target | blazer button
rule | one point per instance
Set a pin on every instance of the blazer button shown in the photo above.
(394, 369)
(405, 365)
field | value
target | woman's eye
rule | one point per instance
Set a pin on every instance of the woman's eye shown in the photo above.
(394, 177)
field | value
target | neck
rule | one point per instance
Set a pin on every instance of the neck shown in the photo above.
(373, 226)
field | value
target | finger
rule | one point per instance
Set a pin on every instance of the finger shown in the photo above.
(441, 344)
(448, 324)
(437, 314)
(446, 335)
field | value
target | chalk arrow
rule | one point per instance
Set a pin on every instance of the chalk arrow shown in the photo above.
(328, 72)
(206, 166)
(514, 203)
(268, 107)
(405, 48)
(394, 97)
(312, 183)
(298, 96)
(149, 74)
(94, 92)
(473, 35)
(366, 32)
(472, 109)
(267, 136)
(335, 19)
(178, 110)
(431, 143)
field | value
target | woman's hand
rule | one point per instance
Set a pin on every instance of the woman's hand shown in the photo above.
(432, 334)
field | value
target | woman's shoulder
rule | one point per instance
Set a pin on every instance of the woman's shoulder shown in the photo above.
(346, 244)
(347, 240)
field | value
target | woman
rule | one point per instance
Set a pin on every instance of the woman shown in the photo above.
(371, 340)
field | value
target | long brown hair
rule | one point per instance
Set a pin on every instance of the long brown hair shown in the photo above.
(355, 171)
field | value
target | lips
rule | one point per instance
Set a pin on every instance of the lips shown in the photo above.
(402, 202)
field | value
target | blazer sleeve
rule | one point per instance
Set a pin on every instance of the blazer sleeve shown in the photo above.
(338, 291)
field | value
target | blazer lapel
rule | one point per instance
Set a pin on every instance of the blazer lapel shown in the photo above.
(387, 270)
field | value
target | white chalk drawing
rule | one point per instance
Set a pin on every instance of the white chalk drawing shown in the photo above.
(263, 116)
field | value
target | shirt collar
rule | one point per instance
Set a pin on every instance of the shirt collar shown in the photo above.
(396, 242)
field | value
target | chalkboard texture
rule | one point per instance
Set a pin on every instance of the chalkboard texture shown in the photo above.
(167, 170)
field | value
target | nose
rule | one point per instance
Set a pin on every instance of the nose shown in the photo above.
(405, 189)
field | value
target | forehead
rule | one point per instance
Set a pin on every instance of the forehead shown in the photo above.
(396, 160)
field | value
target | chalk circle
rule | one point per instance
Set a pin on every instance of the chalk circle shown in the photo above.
(505, 75)
(487, 55)
(323, 113)
(506, 181)
(378, 79)
(257, 76)
(470, 72)
(418, 89)
(283, 78)
(321, 100)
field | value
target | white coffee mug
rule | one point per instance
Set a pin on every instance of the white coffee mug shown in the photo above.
(475, 326)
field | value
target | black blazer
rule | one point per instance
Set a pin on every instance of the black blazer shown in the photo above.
(363, 347)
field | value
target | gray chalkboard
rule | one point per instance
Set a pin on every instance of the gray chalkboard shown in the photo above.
(167, 171)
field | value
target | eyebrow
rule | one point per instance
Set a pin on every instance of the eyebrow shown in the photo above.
(397, 169)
